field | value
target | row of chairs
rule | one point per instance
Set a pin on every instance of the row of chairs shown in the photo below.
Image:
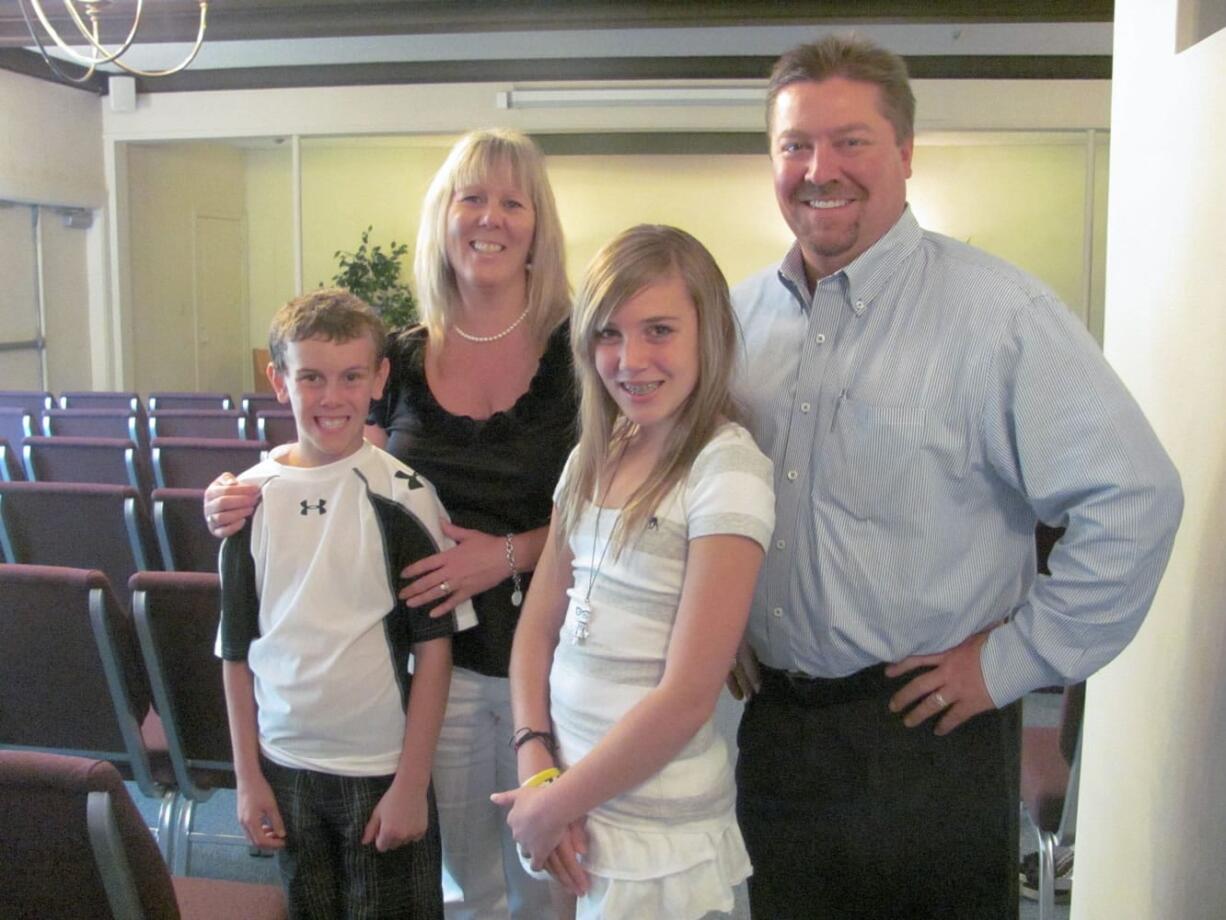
(105, 527)
(139, 690)
(274, 425)
(122, 416)
(169, 463)
(34, 401)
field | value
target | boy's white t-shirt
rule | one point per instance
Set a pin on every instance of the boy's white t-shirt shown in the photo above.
(309, 600)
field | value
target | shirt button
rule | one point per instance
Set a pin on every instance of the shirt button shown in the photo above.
(804, 407)
(820, 338)
(792, 474)
(781, 544)
(859, 307)
(777, 613)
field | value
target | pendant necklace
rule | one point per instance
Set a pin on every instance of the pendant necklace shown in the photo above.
(496, 336)
(583, 609)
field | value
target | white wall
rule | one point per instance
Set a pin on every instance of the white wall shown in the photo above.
(51, 153)
(1152, 826)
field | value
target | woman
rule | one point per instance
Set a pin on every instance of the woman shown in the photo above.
(481, 401)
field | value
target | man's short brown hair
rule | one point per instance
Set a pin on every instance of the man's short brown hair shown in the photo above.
(853, 58)
(332, 314)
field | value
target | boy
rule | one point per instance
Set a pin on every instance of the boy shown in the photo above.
(333, 738)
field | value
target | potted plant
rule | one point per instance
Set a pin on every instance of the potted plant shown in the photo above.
(374, 275)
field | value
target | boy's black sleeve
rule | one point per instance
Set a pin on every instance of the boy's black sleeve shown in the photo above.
(240, 604)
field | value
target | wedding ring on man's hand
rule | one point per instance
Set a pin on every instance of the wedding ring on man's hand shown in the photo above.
(444, 588)
(940, 700)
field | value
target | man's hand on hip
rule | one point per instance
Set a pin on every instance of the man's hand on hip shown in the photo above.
(954, 689)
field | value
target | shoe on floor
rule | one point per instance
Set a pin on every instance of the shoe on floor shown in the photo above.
(1028, 874)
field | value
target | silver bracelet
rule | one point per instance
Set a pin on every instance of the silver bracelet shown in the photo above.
(517, 594)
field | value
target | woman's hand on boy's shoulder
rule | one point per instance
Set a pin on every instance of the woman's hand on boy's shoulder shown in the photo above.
(474, 564)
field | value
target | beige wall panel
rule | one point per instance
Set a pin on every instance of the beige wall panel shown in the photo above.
(270, 263)
(724, 201)
(65, 304)
(1023, 203)
(345, 189)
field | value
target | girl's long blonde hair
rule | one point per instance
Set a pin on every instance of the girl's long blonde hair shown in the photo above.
(635, 259)
(473, 158)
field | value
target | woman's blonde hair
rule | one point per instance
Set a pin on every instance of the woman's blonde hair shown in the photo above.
(473, 158)
(637, 258)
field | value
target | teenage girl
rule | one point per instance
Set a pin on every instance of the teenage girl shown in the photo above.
(660, 524)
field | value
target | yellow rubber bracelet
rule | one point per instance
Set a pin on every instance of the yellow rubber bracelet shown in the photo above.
(544, 778)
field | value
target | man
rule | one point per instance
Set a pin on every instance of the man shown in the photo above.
(924, 404)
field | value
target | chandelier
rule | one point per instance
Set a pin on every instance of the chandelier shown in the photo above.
(85, 15)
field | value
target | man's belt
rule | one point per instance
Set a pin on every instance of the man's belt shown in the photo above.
(817, 692)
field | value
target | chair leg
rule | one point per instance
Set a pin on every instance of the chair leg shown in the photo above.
(1047, 876)
(167, 813)
(183, 837)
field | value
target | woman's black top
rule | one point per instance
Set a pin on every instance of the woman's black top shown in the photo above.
(496, 475)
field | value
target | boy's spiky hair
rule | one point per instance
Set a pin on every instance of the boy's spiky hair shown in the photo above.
(332, 314)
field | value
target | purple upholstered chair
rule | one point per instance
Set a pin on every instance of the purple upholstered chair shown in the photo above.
(79, 525)
(176, 615)
(61, 459)
(192, 463)
(225, 424)
(73, 678)
(92, 423)
(183, 535)
(276, 426)
(31, 402)
(160, 401)
(16, 424)
(252, 403)
(10, 463)
(76, 847)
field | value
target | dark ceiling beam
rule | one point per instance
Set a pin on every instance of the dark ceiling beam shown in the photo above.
(176, 20)
(31, 64)
(976, 67)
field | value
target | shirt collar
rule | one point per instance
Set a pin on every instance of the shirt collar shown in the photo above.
(867, 275)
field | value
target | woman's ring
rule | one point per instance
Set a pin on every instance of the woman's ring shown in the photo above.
(444, 588)
(940, 700)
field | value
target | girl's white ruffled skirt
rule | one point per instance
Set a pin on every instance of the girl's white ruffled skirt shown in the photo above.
(680, 874)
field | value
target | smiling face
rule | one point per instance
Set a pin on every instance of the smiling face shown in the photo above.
(840, 173)
(646, 354)
(329, 385)
(490, 225)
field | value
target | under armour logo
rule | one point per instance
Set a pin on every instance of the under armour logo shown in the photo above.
(307, 506)
(414, 482)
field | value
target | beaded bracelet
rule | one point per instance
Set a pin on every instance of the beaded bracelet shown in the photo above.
(523, 735)
(517, 594)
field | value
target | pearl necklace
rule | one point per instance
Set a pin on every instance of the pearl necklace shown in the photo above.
(491, 338)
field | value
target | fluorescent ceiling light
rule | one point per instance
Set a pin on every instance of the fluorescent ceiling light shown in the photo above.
(629, 96)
